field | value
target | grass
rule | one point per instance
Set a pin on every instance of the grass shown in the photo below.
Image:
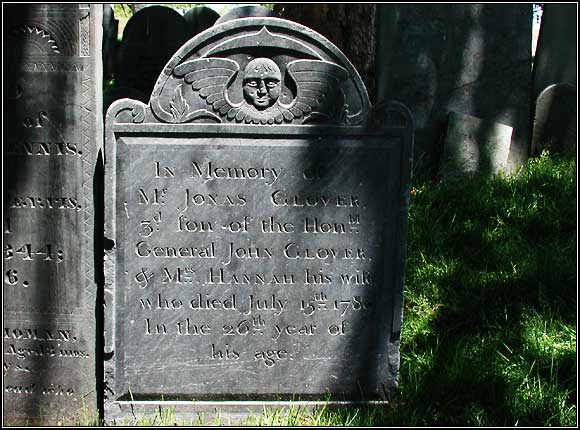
(489, 336)
(489, 332)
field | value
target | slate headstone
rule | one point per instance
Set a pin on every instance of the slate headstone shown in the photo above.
(200, 18)
(247, 12)
(256, 211)
(150, 38)
(52, 130)
(469, 58)
(110, 43)
(473, 145)
(556, 120)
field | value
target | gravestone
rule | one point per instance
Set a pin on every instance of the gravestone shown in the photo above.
(150, 38)
(556, 59)
(470, 58)
(556, 120)
(51, 136)
(247, 12)
(200, 18)
(256, 214)
(110, 33)
(473, 145)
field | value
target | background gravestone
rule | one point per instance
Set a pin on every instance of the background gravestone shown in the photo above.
(469, 58)
(200, 18)
(110, 32)
(257, 211)
(556, 59)
(150, 38)
(51, 135)
(247, 12)
(556, 120)
(475, 146)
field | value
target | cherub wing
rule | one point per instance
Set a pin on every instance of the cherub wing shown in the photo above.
(318, 86)
(210, 77)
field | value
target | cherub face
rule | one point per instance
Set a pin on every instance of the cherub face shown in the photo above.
(262, 83)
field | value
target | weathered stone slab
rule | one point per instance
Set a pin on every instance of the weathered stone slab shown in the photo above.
(473, 145)
(200, 18)
(470, 58)
(150, 38)
(256, 211)
(51, 135)
(556, 120)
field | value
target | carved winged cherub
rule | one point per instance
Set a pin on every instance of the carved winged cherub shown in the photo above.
(318, 93)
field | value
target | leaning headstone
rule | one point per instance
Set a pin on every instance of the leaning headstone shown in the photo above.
(51, 136)
(556, 59)
(470, 58)
(110, 33)
(200, 18)
(150, 38)
(473, 145)
(247, 12)
(256, 214)
(556, 120)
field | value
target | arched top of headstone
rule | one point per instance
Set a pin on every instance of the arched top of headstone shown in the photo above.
(200, 18)
(247, 12)
(265, 71)
(555, 120)
(150, 38)
(147, 21)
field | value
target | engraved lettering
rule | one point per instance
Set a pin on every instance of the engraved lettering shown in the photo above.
(143, 249)
(164, 172)
(212, 200)
(183, 224)
(246, 253)
(38, 334)
(314, 225)
(271, 226)
(221, 277)
(281, 198)
(270, 356)
(187, 328)
(293, 251)
(269, 175)
(223, 354)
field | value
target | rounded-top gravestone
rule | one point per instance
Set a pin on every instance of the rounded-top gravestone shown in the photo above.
(247, 12)
(200, 18)
(150, 38)
(556, 121)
